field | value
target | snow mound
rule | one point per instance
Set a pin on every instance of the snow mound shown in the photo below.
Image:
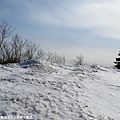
(29, 63)
(41, 66)
(96, 68)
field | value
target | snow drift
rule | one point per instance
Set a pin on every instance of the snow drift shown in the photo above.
(53, 92)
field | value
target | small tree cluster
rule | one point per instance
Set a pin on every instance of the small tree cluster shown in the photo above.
(16, 49)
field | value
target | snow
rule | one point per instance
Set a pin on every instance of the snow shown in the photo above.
(53, 92)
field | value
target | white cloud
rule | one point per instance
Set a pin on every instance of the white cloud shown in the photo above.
(41, 15)
(101, 18)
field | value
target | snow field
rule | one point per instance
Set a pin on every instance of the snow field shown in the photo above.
(52, 92)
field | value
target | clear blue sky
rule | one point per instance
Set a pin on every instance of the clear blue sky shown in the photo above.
(70, 27)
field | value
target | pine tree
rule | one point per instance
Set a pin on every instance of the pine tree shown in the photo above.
(117, 62)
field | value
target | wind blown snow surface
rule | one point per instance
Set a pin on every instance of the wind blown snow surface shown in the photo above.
(53, 92)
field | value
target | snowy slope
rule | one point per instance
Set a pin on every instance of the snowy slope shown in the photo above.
(52, 92)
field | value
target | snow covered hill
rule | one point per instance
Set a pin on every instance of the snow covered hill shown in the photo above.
(53, 92)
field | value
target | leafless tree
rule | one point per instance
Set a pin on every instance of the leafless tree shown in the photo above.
(49, 57)
(6, 52)
(78, 61)
(58, 59)
(18, 47)
(33, 51)
(39, 54)
(30, 50)
(5, 31)
(55, 58)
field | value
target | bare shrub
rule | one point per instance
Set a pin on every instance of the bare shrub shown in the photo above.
(33, 51)
(54, 58)
(78, 61)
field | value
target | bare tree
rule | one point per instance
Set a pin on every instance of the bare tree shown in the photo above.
(54, 58)
(5, 31)
(78, 61)
(6, 52)
(50, 57)
(18, 47)
(39, 54)
(58, 59)
(30, 50)
(33, 51)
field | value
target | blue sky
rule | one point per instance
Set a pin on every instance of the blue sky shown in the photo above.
(70, 27)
